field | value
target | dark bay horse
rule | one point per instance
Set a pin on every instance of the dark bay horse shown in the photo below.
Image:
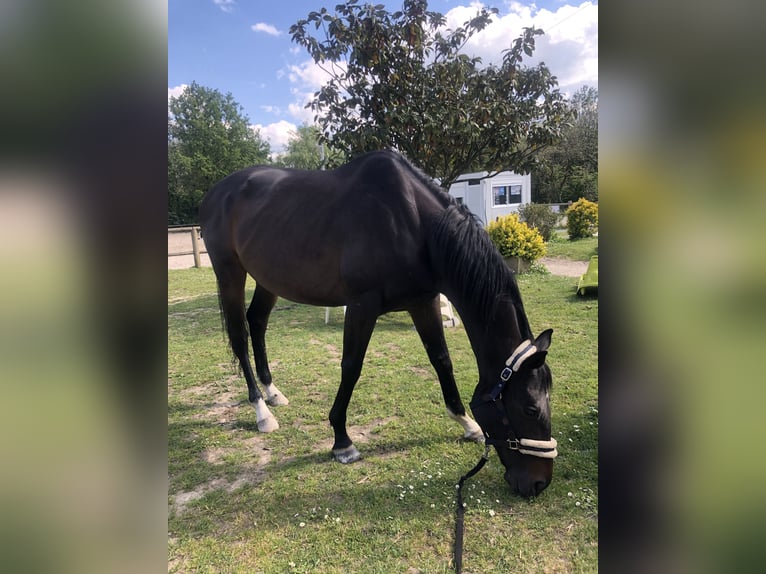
(378, 235)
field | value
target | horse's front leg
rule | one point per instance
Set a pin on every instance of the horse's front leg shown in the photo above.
(357, 330)
(428, 323)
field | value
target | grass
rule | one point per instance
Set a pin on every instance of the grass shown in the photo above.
(578, 249)
(240, 501)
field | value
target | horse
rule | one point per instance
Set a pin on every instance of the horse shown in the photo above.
(378, 235)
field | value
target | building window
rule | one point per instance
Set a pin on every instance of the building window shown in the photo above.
(506, 194)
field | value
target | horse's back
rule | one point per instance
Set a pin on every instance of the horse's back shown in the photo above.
(316, 236)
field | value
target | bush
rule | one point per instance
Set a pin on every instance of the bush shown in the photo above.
(514, 238)
(582, 219)
(540, 217)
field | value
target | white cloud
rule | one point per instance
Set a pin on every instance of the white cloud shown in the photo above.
(177, 91)
(277, 134)
(569, 46)
(276, 110)
(309, 75)
(266, 29)
(225, 5)
(306, 78)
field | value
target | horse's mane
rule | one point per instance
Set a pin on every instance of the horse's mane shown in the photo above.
(464, 255)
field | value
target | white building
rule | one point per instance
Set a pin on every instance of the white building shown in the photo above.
(494, 196)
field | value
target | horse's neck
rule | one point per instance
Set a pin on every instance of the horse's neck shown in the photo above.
(473, 275)
(492, 338)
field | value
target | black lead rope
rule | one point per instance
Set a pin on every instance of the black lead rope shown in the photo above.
(461, 510)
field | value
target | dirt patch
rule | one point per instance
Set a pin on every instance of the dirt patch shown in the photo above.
(332, 350)
(564, 267)
(253, 473)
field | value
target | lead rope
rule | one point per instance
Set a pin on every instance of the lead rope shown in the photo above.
(460, 514)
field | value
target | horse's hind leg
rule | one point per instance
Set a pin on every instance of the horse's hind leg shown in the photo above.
(357, 330)
(231, 290)
(428, 323)
(258, 319)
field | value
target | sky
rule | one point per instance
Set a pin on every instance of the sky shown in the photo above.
(244, 47)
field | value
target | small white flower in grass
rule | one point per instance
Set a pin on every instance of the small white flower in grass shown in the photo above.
(291, 564)
(433, 505)
(302, 524)
(491, 512)
(337, 519)
(478, 501)
(412, 487)
(577, 503)
(569, 494)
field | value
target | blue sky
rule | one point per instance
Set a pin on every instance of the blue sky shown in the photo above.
(243, 47)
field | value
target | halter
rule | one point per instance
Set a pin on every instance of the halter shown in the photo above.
(487, 407)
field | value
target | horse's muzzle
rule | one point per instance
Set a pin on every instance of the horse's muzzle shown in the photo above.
(531, 479)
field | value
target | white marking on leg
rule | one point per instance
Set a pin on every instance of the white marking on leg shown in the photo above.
(264, 418)
(472, 429)
(274, 396)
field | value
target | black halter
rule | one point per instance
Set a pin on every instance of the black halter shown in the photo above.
(488, 409)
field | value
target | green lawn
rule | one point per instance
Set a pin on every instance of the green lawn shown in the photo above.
(577, 249)
(240, 501)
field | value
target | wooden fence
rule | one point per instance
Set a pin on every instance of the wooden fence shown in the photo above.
(197, 244)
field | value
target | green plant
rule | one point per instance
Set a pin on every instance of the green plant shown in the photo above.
(539, 216)
(514, 238)
(582, 219)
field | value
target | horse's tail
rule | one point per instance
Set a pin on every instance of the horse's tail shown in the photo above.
(231, 303)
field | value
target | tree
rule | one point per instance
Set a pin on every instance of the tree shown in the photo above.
(306, 151)
(208, 138)
(568, 170)
(400, 81)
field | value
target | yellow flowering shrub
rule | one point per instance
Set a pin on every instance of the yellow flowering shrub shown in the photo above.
(582, 218)
(514, 238)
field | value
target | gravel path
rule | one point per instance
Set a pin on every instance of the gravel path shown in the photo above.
(564, 267)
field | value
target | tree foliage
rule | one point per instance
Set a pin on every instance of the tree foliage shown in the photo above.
(400, 80)
(305, 150)
(568, 170)
(208, 138)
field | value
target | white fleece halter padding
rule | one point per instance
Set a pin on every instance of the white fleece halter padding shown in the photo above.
(539, 444)
(525, 350)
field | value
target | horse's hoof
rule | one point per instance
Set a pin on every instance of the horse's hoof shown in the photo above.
(268, 425)
(474, 436)
(275, 398)
(265, 420)
(347, 455)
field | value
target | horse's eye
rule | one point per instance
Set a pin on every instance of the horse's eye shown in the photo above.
(531, 410)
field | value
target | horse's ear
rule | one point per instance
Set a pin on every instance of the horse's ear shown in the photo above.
(535, 361)
(542, 343)
(544, 340)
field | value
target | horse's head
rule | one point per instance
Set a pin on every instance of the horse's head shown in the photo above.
(515, 415)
